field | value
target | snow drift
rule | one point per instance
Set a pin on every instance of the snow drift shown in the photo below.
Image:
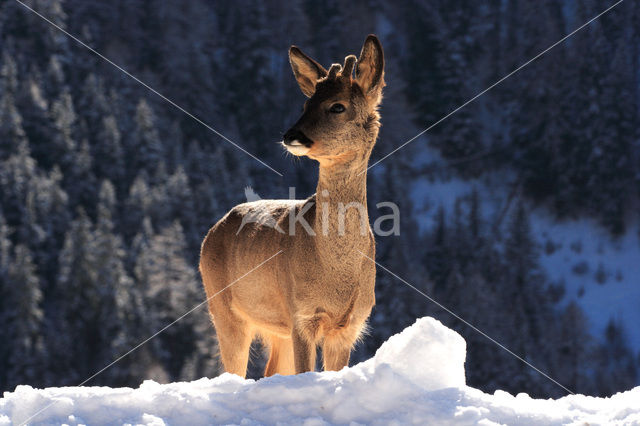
(417, 376)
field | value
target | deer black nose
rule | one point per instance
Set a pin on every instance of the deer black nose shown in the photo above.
(296, 137)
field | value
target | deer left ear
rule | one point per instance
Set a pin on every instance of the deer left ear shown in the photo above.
(370, 66)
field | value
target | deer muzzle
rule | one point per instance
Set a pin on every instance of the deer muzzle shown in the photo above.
(296, 142)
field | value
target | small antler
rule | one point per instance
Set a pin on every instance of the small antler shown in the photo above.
(334, 70)
(349, 62)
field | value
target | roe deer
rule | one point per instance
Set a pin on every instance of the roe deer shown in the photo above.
(320, 290)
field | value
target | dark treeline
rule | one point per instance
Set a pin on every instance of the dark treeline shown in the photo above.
(106, 190)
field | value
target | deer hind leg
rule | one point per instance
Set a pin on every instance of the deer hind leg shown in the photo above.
(335, 353)
(281, 359)
(234, 337)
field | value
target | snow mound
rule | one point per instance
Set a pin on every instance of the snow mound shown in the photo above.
(427, 354)
(417, 376)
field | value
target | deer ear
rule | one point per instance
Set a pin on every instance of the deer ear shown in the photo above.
(370, 66)
(306, 70)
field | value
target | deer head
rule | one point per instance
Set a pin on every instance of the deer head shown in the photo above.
(340, 121)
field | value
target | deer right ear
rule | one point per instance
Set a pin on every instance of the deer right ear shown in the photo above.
(306, 70)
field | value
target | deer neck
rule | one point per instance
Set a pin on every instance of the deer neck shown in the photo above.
(342, 222)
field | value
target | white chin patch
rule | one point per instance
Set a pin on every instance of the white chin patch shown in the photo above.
(296, 148)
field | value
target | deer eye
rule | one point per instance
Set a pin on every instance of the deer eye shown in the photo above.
(337, 108)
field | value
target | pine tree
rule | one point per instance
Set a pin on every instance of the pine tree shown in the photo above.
(121, 308)
(12, 135)
(5, 262)
(618, 369)
(21, 318)
(438, 255)
(182, 207)
(459, 137)
(107, 148)
(137, 206)
(16, 175)
(573, 350)
(422, 73)
(45, 221)
(34, 109)
(533, 108)
(206, 204)
(146, 148)
(610, 164)
(79, 299)
(252, 77)
(528, 304)
(170, 291)
(79, 178)
(63, 143)
(8, 75)
(93, 104)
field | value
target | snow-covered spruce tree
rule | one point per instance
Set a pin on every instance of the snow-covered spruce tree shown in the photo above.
(170, 290)
(437, 252)
(252, 76)
(21, 318)
(618, 367)
(471, 288)
(64, 141)
(8, 74)
(137, 206)
(5, 260)
(527, 305)
(145, 149)
(459, 137)
(92, 103)
(23, 353)
(16, 174)
(206, 204)
(84, 306)
(124, 327)
(573, 351)
(45, 220)
(421, 60)
(79, 178)
(107, 147)
(187, 34)
(533, 104)
(520, 286)
(12, 134)
(34, 108)
(181, 206)
(109, 254)
(610, 163)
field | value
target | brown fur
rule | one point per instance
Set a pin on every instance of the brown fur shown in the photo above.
(320, 289)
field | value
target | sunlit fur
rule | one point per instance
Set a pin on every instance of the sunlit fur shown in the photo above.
(320, 289)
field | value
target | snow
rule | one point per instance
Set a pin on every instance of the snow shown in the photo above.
(429, 340)
(580, 248)
(417, 376)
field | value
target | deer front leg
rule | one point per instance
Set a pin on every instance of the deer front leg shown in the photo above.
(335, 354)
(304, 352)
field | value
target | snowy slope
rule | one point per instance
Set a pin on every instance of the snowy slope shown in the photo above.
(600, 273)
(416, 377)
